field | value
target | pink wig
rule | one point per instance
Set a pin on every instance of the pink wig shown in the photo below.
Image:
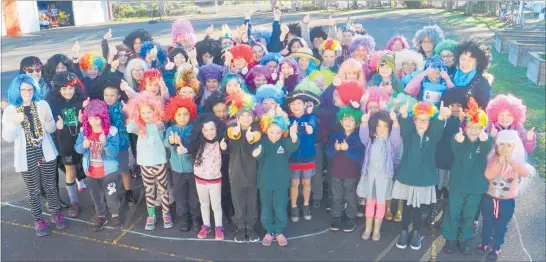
(377, 95)
(508, 102)
(136, 103)
(352, 65)
(374, 59)
(400, 38)
(96, 108)
(183, 27)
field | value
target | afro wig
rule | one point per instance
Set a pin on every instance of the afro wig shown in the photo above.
(434, 32)
(424, 108)
(447, 44)
(139, 33)
(211, 47)
(508, 102)
(185, 76)
(351, 112)
(212, 71)
(255, 71)
(242, 51)
(477, 50)
(318, 32)
(399, 38)
(133, 107)
(474, 114)
(161, 52)
(90, 59)
(149, 76)
(269, 91)
(456, 96)
(177, 102)
(350, 91)
(216, 97)
(95, 108)
(408, 56)
(183, 28)
(175, 51)
(435, 62)
(366, 41)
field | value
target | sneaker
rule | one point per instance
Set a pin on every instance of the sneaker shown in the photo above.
(41, 228)
(316, 204)
(349, 225)
(464, 246)
(99, 223)
(494, 254)
(307, 213)
(130, 198)
(59, 221)
(252, 235)
(450, 246)
(281, 239)
(74, 210)
(62, 203)
(240, 235)
(204, 232)
(219, 233)
(336, 224)
(402, 242)
(81, 185)
(360, 211)
(115, 222)
(150, 223)
(185, 223)
(415, 240)
(196, 224)
(167, 221)
(268, 238)
(295, 214)
(481, 249)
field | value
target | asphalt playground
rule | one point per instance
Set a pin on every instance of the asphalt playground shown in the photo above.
(308, 240)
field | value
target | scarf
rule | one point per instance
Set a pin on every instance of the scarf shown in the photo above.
(461, 79)
(117, 120)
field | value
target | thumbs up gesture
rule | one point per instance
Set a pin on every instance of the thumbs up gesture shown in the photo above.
(108, 34)
(306, 19)
(86, 102)
(249, 135)
(531, 134)
(223, 144)
(444, 111)
(170, 65)
(76, 48)
(365, 118)
(459, 137)
(331, 21)
(257, 151)
(124, 86)
(483, 136)
(308, 128)
(180, 149)
(294, 131)
(344, 146)
(236, 130)
(404, 110)
(86, 143)
(337, 146)
(493, 132)
(172, 140)
(209, 30)
(60, 123)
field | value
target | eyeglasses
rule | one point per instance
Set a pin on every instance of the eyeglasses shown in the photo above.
(421, 121)
(31, 70)
(123, 54)
(29, 91)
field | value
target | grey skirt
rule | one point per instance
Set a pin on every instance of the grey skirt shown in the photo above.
(377, 186)
(414, 195)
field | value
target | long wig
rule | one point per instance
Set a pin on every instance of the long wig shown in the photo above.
(95, 108)
(132, 110)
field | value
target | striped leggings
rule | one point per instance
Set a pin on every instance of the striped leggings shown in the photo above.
(152, 175)
(40, 174)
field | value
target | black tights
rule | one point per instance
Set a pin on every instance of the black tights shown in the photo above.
(412, 214)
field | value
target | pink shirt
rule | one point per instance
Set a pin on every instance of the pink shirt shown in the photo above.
(211, 163)
(503, 180)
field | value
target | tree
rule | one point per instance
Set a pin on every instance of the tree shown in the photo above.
(449, 5)
(468, 8)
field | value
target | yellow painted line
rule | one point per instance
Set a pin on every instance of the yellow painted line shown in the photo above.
(90, 239)
(124, 233)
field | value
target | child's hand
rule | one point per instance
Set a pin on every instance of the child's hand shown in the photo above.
(331, 21)
(236, 130)
(444, 75)
(86, 102)
(257, 151)
(444, 111)
(392, 115)
(114, 65)
(248, 13)
(337, 81)
(102, 139)
(108, 35)
(309, 107)
(365, 118)
(493, 132)
(462, 115)
(177, 139)
(209, 30)
(294, 131)
(172, 140)
(223, 144)
(76, 49)
(277, 14)
(249, 135)
(355, 104)
(181, 149)
(337, 146)
(86, 143)
(124, 86)
(192, 54)
(483, 136)
(169, 65)
(60, 123)
(18, 118)
(306, 19)
(531, 134)
(404, 110)
(460, 136)
(344, 146)
(308, 128)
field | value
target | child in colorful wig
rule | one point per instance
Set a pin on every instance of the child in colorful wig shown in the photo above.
(93, 65)
(330, 51)
(427, 38)
(431, 83)
(154, 54)
(397, 43)
(322, 78)
(232, 83)
(257, 76)
(182, 34)
(272, 153)
(178, 56)
(416, 176)
(375, 100)
(306, 61)
(408, 64)
(289, 74)
(210, 77)
(445, 49)
(467, 182)
(209, 51)
(151, 82)
(239, 59)
(181, 111)
(352, 70)
(216, 104)
(226, 38)
(98, 142)
(186, 83)
(361, 48)
(508, 172)
(145, 113)
(267, 96)
(506, 111)
(385, 76)
(271, 60)
(382, 140)
(348, 33)
(136, 38)
(346, 152)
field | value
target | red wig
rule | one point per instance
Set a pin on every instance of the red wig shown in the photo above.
(376, 94)
(136, 103)
(508, 102)
(177, 102)
(96, 108)
(242, 51)
(148, 77)
(350, 91)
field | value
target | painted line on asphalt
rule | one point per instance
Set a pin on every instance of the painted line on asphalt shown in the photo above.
(521, 240)
(90, 239)
(117, 239)
(386, 250)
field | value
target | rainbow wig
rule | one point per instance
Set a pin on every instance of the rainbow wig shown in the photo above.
(508, 102)
(183, 28)
(366, 41)
(350, 91)
(408, 56)
(400, 38)
(375, 58)
(132, 110)
(350, 111)
(90, 59)
(14, 89)
(185, 76)
(447, 44)
(331, 44)
(434, 32)
(237, 77)
(96, 108)
(238, 101)
(149, 76)
(242, 51)
(269, 91)
(255, 71)
(177, 102)
(271, 57)
(400, 100)
(352, 65)
(424, 108)
(474, 114)
(326, 73)
(161, 52)
(377, 95)
(280, 120)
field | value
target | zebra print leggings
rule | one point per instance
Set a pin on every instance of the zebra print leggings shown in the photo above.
(40, 174)
(151, 175)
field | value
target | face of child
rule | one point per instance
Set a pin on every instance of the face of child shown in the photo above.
(182, 116)
(220, 111)
(287, 70)
(421, 123)
(346, 38)
(233, 86)
(239, 63)
(372, 108)
(95, 122)
(274, 133)
(504, 149)
(179, 59)
(303, 63)
(360, 54)
(35, 73)
(385, 71)
(184, 40)
(27, 92)
(272, 66)
(455, 109)
(60, 68)
(226, 43)
(433, 75)
(397, 46)
(259, 81)
(137, 73)
(297, 107)
(329, 57)
(209, 130)
(245, 119)
(207, 58)
(153, 87)
(295, 47)
(351, 76)
(257, 52)
(68, 92)
(409, 67)
(447, 57)
(269, 103)
(186, 91)
(136, 45)
(317, 41)
(320, 82)
(123, 57)
(382, 129)
(473, 131)
(211, 84)
(467, 63)
(111, 95)
(147, 114)
(427, 44)
(348, 123)
(93, 72)
(505, 118)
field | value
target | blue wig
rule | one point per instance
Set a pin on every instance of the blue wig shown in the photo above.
(435, 62)
(237, 77)
(161, 52)
(14, 89)
(257, 34)
(269, 91)
(271, 57)
(312, 66)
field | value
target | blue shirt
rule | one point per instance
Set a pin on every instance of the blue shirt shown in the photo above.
(306, 150)
(150, 147)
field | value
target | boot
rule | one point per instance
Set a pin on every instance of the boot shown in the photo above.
(398, 215)
(388, 213)
(368, 230)
(377, 229)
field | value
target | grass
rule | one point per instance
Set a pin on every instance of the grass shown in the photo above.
(458, 19)
(543, 56)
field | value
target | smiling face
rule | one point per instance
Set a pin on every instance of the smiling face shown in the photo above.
(427, 44)
(409, 67)
(67, 92)
(467, 63)
(382, 129)
(397, 46)
(245, 119)
(93, 72)
(385, 71)
(220, 111)
(123, 57)
(111, 95)
(95, 122)
(257, 52)
(447, 57)
(34, 72)
(179, 59)
(137, 73)
(360, 54)
(186, 91)
(209, 130)
(372, 108)
(348, 123)
(274, 133)
(473, 131)
(287, 70)
(137, 44)
(295, 47)
(269, 103)
(272, 66)
(233, 86)
(153, 87)
(329, 58)
(182, 116)
(147, 114)
(455, 109)
(259, 81)
(421, 123)
(211, 84)
(351, 76)
(297, 107)
(433, 75)
(60, 68)
(504, 149)
(27, 92)
(239, 63)
(303, 63)
(505, 118)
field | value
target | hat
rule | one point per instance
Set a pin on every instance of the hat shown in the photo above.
(305, 96)
(388, 60)
(305, 52)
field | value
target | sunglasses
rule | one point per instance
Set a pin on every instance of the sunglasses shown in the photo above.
(31, 70)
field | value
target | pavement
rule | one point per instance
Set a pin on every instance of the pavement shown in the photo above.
(308, 240)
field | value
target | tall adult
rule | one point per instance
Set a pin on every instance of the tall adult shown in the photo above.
(136, 38)
(427, 38)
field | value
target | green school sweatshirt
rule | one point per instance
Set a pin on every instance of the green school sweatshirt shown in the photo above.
(273, 171)
(468, 170)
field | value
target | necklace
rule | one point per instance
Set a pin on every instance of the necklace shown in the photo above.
(32, 138)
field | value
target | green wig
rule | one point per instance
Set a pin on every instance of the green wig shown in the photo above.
(400, 100)
(447, 44)
(349, 111)
(308, 85)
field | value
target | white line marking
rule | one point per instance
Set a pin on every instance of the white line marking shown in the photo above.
(521, 240)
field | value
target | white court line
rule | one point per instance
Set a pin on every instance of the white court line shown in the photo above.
(521, 240)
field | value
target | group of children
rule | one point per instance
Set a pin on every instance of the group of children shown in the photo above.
(276, 114)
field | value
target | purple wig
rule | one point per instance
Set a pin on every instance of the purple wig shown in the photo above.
(255, 71)
(293, 80)
(400, 38)
(367, 41)
(95, 108)
(212, 71)
(183, 27)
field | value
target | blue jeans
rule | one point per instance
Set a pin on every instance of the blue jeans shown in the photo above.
(498, 224)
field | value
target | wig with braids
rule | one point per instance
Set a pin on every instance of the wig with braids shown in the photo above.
(400, 38)
(212, 71)
(185, 76)
(30, 63)
(52, 62)
(477, 50)
(242, 51)
(238, 78)
(349, 111)
(271, 57)
(139, 33)
(161, 52)
(294, 29)
(177, 50)
(91, 59)
(212, 47)
(279, 119)
(134, 64)
(195, 148)
(216, 97)
(14, 89)
(269, 91)
(474, 114)
(132, 110)
(400, 100)
(508, 102)
(350, 91)
(177, 102)
(366, 41)
(148, 77)
(318, 31)
(183, 28)
(256, 34)
(408, 56)
(95, 108)
(255, 71)
(373, 63)
(424, 108)
(434, 32)
(447, 44)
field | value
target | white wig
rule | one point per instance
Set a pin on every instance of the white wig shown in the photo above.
(134, 63)
(408, 56)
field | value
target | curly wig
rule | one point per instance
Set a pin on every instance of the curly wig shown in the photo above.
(131, 65)
(238, 78)
(400, 38)
(14, 89)
(474, 114)
(195, 148)
(175, 51)
(255, 71)
(294, 29)
(30, 63)
(281, 120)
(350, 91)
(269, 91)
(256, 34)
(377, 95)
(332, 45)
(132, 110)
(238, 101)
(182, 27)
(242, 51)
(326, 73)
(52, 62)
(508, 102)
(424, 108)
(477, 50)
(148, 77)
(212, 71)
(352, 112)
(91, 59)
(185, 76)
(447, 44)
(318, 31)
(456, 96)
(400, 100)
(435, 62)
(212, 47)
(177, 102)
(95, 108)
(63, 79)
(375, 58)
(161, 51)
(434, 32)
(139, 33)
(366, 41)
(216, 97)
(408, 56)
(309, 86)
(271, 57)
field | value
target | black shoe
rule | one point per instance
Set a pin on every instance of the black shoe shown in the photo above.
(316, 204)
(416, 240)
(307, 213)
(295, 214)
(252, 235)
(450, 246)
(402, 242)
(349, 225)
(240, 235)
(196, 224)
(130, 198)
(185, 223)
(336, 224)
(465, 247)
